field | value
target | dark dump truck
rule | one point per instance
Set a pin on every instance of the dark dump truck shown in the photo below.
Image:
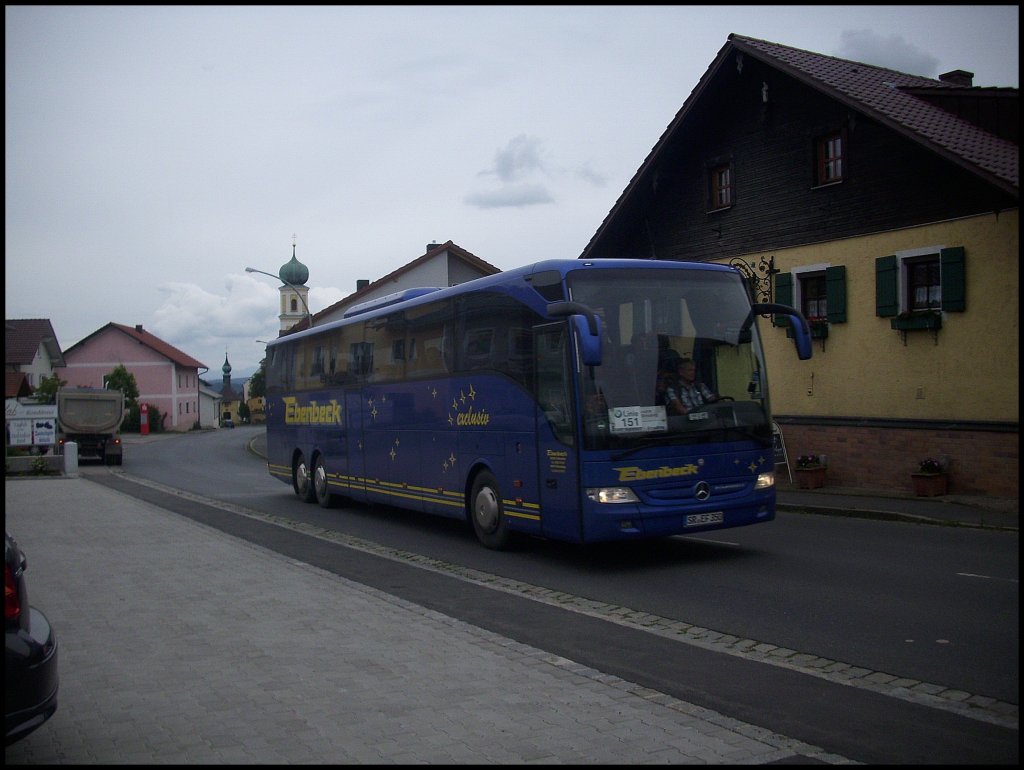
(92, 417)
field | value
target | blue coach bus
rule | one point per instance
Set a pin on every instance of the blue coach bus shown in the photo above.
(526, 402)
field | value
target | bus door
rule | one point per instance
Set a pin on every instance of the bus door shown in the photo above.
(557, 445)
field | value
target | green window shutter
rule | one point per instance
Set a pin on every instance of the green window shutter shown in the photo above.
(887, 298)
(783, 296)
(835, 293)
(953, 276)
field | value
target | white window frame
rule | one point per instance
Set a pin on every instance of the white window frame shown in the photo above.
(800, 272)
(902, 259)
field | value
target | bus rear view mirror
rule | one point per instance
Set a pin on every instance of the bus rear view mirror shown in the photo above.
(587, 326)
(801, 330)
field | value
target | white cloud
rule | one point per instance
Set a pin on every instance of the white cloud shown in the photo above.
(521, 157)
(153, 152)
(891, 51)
(207, 325)
(510, 195)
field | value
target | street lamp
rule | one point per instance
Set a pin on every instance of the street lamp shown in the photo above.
(294, 288)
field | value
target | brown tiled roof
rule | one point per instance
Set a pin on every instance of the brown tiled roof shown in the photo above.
(16, 385)
(22, 338)
(485, 268)
(139, 334)
(893, 98)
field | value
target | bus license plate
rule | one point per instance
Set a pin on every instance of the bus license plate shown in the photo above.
(700, 519)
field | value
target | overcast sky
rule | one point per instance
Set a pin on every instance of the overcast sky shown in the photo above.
(153, 153)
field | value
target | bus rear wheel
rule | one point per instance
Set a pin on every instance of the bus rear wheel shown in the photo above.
(320, 488)
(302, 481)
(487, 512)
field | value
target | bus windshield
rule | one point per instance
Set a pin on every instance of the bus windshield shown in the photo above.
(681, 364)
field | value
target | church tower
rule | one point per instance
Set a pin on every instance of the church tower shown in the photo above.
(294, 292)
(229, 400)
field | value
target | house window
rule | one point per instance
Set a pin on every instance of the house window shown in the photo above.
(924, 289)
(721, 193)
(819, 291)
(830, 159)
(813, 298)
(931, 278)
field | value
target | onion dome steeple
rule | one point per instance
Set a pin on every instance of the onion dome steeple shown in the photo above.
(293, 271)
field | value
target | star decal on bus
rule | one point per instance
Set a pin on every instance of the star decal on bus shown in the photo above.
(449, 463)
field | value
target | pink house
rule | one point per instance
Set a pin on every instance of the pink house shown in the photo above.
(167, 377)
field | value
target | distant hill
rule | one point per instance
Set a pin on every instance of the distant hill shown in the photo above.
(242, 374)
(218, 385)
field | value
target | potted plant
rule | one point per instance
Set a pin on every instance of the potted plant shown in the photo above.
(810, 471)
(930, 480)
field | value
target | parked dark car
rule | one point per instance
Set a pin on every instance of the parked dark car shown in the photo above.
(30, 658)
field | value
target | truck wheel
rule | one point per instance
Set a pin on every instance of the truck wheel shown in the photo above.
(302, 481)
(487, 512)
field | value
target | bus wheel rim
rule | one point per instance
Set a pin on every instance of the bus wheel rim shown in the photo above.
(320, 479)
(486, 509)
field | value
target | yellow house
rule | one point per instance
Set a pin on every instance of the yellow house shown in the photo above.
(884, 206)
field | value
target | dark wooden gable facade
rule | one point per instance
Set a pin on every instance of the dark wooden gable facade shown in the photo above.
(763, 120)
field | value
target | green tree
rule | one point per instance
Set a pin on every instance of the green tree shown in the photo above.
(133, 419)
(47, 389)
(258, 381)
(123, 380)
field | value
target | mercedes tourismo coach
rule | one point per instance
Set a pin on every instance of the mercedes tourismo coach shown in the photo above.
(527, 402)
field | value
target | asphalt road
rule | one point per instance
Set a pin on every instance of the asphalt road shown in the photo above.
(869, 721)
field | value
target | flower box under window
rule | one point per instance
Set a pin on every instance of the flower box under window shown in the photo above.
(911, 321)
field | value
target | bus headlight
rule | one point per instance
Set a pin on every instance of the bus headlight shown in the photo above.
(612, 495)
(765, 480)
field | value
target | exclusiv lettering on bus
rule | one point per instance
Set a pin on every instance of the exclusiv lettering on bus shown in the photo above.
(313, 413)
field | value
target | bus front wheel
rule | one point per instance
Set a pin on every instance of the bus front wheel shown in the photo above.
(323, 494)
(487, 512)
(302, 481)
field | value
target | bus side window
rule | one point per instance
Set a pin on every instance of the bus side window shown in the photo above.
(360, 359)
(317, 367)
(520, 353)
(433, 362)
(477, 349)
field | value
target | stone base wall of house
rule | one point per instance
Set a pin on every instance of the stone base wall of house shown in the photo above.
(980, 461)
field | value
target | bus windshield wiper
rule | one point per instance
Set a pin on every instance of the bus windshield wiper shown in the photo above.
(649, 444)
